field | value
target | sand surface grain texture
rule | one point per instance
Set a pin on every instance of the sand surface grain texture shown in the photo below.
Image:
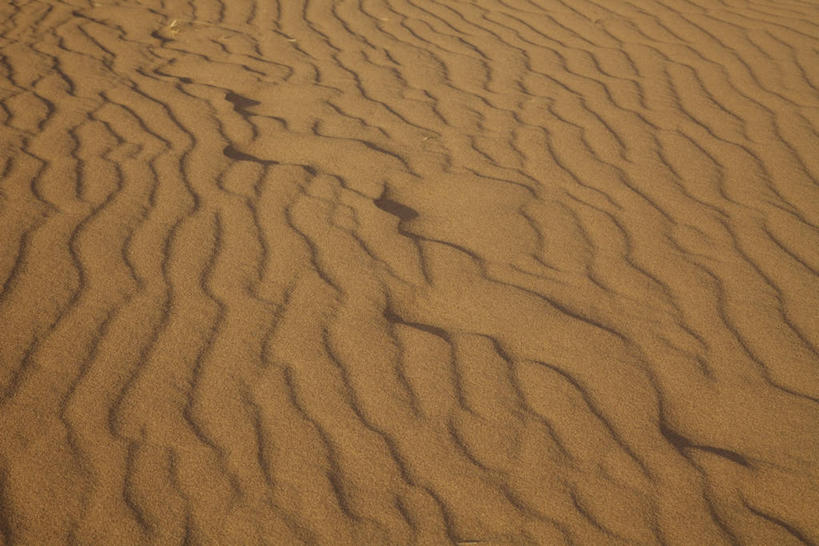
(409, 272)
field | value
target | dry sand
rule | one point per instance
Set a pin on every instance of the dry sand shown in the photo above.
(409, 271)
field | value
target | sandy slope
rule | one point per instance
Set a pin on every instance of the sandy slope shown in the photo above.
(409, 271)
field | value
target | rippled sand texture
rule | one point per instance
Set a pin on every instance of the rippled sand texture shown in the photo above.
(409, 271)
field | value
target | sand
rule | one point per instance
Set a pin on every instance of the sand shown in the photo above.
(409, 272)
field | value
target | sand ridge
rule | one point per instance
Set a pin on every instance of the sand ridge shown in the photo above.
(405, 271)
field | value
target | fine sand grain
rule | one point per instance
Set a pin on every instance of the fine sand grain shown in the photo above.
(409, 272)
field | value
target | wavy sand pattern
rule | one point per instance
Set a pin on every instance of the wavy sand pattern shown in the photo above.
(409, 271)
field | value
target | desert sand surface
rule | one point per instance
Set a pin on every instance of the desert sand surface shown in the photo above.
(409, 272)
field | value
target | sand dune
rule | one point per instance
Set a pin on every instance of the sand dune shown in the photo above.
(409, 271)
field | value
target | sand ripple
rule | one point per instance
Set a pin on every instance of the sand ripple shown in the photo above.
(409, 271)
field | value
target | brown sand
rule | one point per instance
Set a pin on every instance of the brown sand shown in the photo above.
(409, 271)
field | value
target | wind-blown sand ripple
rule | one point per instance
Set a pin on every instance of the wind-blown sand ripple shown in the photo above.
(404, 271)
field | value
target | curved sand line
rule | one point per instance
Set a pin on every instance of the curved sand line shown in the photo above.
(405, 271)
